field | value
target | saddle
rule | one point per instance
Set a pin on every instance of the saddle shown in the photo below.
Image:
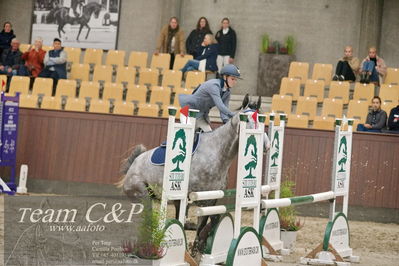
(159, 153)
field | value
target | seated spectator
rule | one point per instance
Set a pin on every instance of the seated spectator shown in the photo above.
(11, 59)
(373, 68)
(55, 63)
(347, 66)
(6, 35)
(393, 120)
(196, 36)
(208, 52)
(171, 40)
(376, 118)
(226, 37)
(33, 60)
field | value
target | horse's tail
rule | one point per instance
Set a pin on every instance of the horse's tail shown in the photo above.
(126, 163)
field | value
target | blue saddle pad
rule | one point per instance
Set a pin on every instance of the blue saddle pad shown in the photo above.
(158, 155)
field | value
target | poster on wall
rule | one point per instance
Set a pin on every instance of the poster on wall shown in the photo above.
(78, 23)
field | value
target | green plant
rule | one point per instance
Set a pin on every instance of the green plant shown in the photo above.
(288, 215)
(265, 43)
(290, 44)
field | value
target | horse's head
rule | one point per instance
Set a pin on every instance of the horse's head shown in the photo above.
(249, 107)
(95, 8)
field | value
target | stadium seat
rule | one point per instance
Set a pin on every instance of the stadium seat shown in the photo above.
(358, 110)
(123, 108)
(151, 110)
(364, 92)
(160, 95)
(3, 82)
(172, 78)
(332, 108)
(138, 59)
(28, 101)
(180, 61)
(387, 106)
(300, 121)
(89, 89)
(126, 74)
(113, 91)
(75, 104)
(307, 106)
(136, 93)
(73, 54)
(193, 79)
(339, 90)
(43, 86)
(299, 70)
(99, 106)
(389, 92)
(322, 72)
(323, 122)
(276, 119)
(314, 88)
(281, 104)
(115, 58)
(24, 47)
(392, 76)
(93, 56)
(52, 103)
(102, 73)
(160, 62)
(148, 77)
(80, 72)
(19, 84)
(290, 86)
(66, 87)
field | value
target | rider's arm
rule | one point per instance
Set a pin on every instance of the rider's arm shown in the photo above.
(215, 94)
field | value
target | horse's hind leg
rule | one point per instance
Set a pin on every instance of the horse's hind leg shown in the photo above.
(88, 31)
(80, 30)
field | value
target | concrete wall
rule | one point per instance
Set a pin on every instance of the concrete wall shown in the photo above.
(389, 47)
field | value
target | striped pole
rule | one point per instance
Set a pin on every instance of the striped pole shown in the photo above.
(300, 200)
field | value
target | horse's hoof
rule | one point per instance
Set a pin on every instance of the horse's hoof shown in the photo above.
(190, 226)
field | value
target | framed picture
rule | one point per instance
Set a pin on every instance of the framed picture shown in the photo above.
(78, 23)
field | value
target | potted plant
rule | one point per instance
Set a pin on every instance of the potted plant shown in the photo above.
(290, 44)
(289, 222)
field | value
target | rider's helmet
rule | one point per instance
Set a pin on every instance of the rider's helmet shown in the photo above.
(231, 70)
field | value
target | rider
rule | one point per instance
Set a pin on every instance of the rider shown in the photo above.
(214, 92)
(77, 8)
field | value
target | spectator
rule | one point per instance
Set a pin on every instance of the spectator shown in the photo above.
(206, 60)
(373, 68)
(393, 120)
(196, 36)
(376, 118)
(6, 35)
(347, 67)
(171, 40)
(11, 59)
(55, 63)
(226, 37)
(33, 60)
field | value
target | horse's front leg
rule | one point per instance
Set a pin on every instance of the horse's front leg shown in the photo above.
(80, 30)
(88, 31)
(59, 31)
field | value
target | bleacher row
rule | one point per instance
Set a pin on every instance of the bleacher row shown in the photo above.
(316, 102)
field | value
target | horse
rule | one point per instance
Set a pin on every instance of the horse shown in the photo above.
(61, 17)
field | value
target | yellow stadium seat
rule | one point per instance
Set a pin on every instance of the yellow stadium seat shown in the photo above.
(102, 73)
(43, 86)
(3, 82)
(66, 87)
(113, 91)
(358, 110)
(194, 78)
(322, 72)
(387, 106)
(180, 61)
(28, 101)
(136, 93)
(123, 108)
(314, 88)
(89, 89)
(290, 86)
(148, 77)
(80, 72)
(47, 48)
(339, 90)
(115, 57)
(160, 61)
(93, 56)
(364, 92)
(52, 103)
(73, 54)
(126, 74)
(160, 95)
(307, 106)
(281, 104)
(76, 104)
(324, 122)
(19, 84)
(99, 106)
(332, 108)
(138, 59)
(172, 78)
(276, 119)
(392, 76)
(299, 70)
(300, 121)
(389, 92)
(151, 110)
(24, 47)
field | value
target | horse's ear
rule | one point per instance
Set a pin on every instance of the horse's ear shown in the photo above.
(259, 103)
(245, 102)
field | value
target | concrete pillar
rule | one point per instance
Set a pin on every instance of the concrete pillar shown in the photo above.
(370, 25)
(171, 8)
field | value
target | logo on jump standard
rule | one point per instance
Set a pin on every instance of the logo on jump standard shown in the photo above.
(249, 182)
(176, 175)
